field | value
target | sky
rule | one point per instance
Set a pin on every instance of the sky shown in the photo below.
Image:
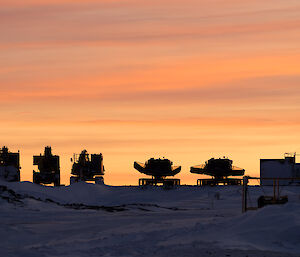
(186, 80)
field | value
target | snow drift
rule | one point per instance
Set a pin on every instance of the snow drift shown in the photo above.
(98, 220)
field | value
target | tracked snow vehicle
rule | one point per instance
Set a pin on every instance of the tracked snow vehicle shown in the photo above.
(220, 169)
(159, 169)
(87, 169)
(48, 166)
(9, 165)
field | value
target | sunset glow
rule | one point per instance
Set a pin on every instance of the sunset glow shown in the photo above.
(187, 80)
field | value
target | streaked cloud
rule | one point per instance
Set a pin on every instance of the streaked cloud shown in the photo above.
(134, 79)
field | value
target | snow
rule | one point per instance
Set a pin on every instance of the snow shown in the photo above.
(98, 220)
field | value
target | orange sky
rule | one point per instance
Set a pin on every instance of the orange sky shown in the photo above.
(187, 80)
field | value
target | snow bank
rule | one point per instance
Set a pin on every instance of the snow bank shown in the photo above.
(270, 228)
(186, 221)
(93, 194)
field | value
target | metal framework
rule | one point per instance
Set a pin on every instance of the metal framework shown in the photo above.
(275, 198)
(216, 181)
(154, 181)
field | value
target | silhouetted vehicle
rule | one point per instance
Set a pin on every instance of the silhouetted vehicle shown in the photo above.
(48, 166)
(159, 169)
(220, 169)
(9, 165)
(87, 169)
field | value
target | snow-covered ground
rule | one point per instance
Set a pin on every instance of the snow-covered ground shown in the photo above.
(97, 220)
